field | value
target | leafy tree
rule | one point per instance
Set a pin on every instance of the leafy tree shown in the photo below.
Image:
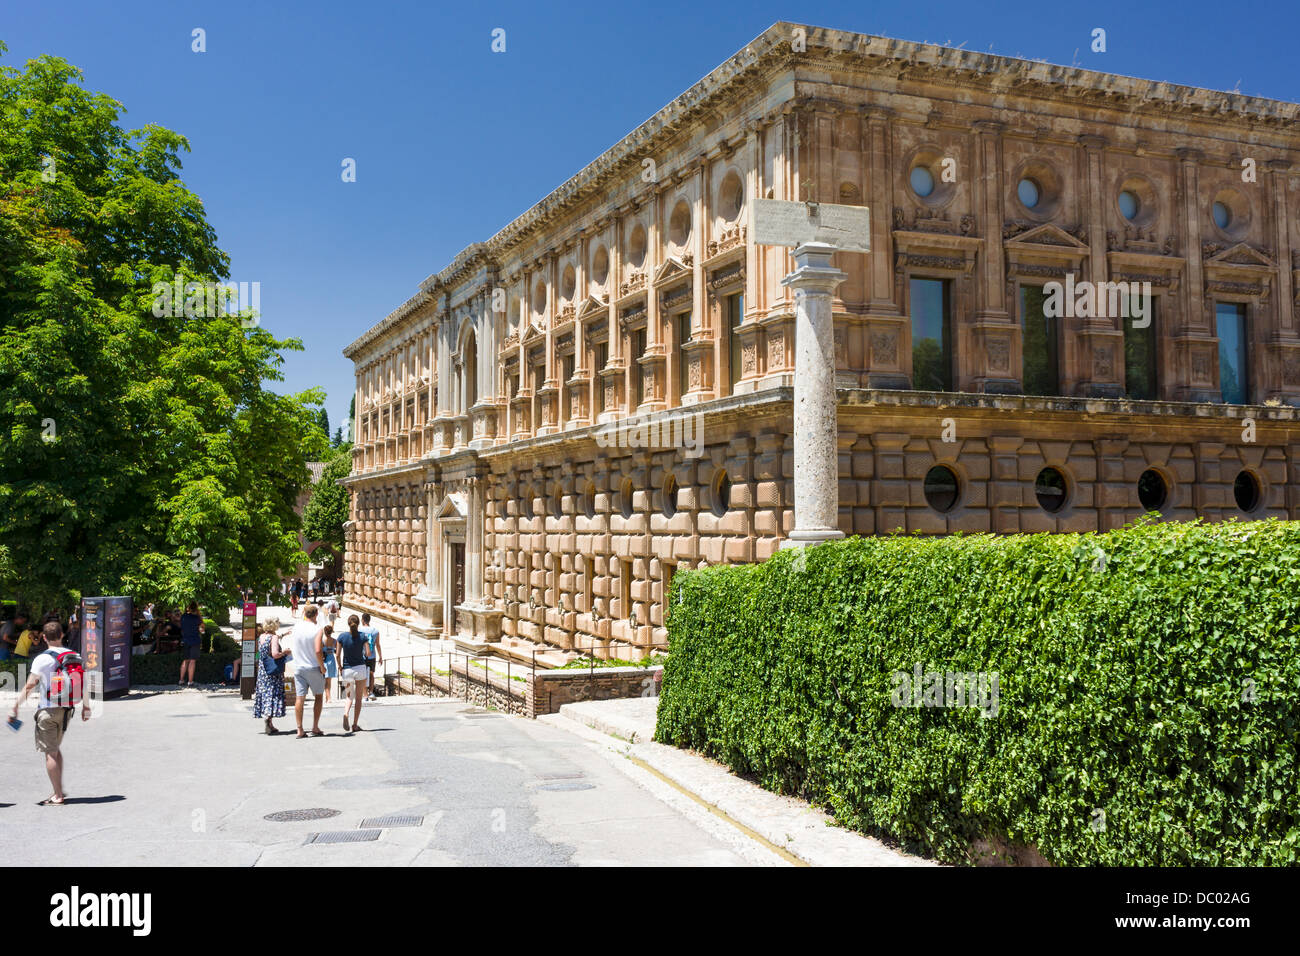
(338, 437)
(323, 420)
(140, 452)
(327, 510)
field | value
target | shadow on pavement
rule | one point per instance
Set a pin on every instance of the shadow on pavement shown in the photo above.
(114, 798)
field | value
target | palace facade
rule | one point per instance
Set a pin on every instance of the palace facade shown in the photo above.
(600, 395)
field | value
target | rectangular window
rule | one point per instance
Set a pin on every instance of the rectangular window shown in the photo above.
(683, 366)
(1040, 344)
(665, 598)
(1234, 368)
(931, 335)
(567, 364)
(625, 588)
(602, 359)
(638, 379)
(735, 315)
(1140, 357)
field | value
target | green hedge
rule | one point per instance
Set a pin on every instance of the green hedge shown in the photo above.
(1147, 682)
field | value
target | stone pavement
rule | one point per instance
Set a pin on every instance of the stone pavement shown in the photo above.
(626, 727)
(184, 778)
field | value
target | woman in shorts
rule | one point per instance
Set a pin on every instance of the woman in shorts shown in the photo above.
(354, 648)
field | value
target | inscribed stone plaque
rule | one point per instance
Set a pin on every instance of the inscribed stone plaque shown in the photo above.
(777, 222)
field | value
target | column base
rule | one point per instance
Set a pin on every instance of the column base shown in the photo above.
(808, 537)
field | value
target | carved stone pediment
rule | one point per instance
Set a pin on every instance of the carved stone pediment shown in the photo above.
(452, 508)
(1047, 234)
(1241, 254)
(535, 331)
(673, 268)
(592, 305)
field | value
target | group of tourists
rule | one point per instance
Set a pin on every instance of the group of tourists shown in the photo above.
(318, 656)
(23, 639)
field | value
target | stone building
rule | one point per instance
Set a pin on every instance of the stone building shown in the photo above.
(600, 395)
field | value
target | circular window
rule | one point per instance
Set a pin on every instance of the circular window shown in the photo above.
(600, 266)
(1129, 205)
(1028, 193)
(1222, 215)
(721, 493)
(636, 247)
(922, 181)
(679, 225)
(731, 197)
(1246, 491)
(941, 489)
(625, 498)
(1152, 490)
(1049, 489)
(569, 283)
(668, 507)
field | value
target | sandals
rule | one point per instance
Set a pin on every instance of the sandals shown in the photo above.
(318, 733)
(346, 728)
(51, 802)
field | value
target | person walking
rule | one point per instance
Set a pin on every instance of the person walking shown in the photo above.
(268, 697)
(57, 673)
(371, 634)
(308, 669)
(191, 641)
(353, 649)
(331, 663)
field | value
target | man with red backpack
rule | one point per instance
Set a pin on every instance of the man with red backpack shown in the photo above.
(59, 674)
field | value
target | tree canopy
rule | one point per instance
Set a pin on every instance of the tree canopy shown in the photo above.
(139, 453)
(327, 510)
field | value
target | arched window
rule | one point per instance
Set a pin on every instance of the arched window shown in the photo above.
(469, 372)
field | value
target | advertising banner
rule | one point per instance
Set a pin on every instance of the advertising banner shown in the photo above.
(106, 641)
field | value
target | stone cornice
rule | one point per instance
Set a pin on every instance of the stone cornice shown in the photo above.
(772, 51)
(393, 319)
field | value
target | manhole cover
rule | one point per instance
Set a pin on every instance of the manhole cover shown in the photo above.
(290, 816)
(567, 786)
(345, 836)
(392, 820)
(560, 776)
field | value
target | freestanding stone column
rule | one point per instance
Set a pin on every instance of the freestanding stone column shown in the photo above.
(816, 428)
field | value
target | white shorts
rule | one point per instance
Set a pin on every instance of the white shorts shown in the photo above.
(359, 673)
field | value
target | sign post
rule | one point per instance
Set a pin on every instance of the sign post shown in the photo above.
(106, 641)
(816, 231)
(248, 661)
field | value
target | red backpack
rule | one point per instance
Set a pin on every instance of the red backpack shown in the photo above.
(67, 680)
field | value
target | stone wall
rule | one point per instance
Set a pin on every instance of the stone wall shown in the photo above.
(541, 693)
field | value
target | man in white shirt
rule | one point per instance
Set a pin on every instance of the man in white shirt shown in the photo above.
(308, 668)
(52, 717)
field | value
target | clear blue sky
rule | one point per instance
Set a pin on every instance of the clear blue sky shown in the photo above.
(453, 141)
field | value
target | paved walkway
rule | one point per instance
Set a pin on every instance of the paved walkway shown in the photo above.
(626, 728)
(184, 778)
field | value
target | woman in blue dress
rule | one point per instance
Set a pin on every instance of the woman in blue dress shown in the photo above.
(327, 645)
(268, 697)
